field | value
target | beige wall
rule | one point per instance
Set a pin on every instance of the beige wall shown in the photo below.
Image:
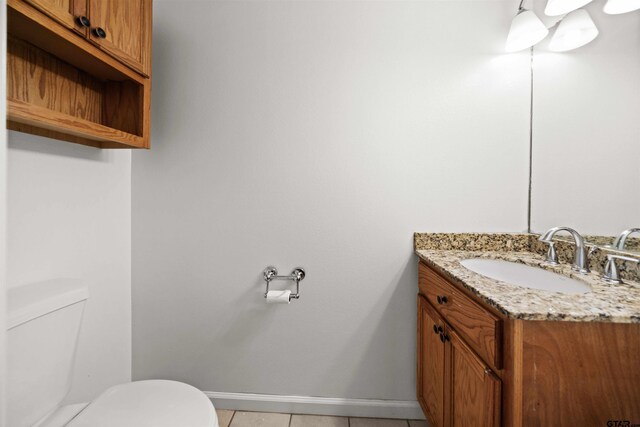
(69, 215)
(320, 134)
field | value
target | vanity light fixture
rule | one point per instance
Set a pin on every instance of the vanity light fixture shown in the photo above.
(616, 7)
(574, 30)
(560, 7)
(526, 30)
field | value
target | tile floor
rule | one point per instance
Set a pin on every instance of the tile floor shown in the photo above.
(263, 419)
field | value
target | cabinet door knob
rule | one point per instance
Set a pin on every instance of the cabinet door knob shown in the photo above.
(441, 337)
(83, 21)
(99, 32)
(441, 299)
(435, 329)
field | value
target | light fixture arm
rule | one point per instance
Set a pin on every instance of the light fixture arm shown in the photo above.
(521, 8)
(556, 23)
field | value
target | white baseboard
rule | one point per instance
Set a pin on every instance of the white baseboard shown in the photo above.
(405, 409)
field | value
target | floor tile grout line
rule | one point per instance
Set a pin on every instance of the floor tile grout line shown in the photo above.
(231, 419)
(290, 423)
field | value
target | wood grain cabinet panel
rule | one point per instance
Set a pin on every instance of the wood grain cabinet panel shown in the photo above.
(475, 389)
(597, 380)
(63, 11)
(455, 387)
(480, 328)
(431, 359)
(65, 83)
(39, 79)
(123, 23)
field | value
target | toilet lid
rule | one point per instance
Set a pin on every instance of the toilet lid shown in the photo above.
(153, 403)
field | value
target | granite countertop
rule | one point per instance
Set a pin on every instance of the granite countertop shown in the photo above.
(605, 303)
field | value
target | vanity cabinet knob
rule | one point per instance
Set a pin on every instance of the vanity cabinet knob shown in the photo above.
(83, 21)
(444, 337)
(435, 329)
(441, 299)
(99, 32)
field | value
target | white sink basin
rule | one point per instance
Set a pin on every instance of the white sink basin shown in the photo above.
(524, 275)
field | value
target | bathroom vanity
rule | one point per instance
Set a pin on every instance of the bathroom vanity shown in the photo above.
(495, 354)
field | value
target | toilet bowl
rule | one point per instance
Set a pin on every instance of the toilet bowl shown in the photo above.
(44, 321)
(157, 403)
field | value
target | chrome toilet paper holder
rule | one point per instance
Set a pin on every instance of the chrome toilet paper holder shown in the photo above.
(271, 273)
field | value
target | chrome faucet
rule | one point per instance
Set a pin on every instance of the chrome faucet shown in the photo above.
(580, 262)
(611, 274)
(622, 238)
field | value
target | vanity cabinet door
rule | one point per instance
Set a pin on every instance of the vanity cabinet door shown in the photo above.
(475, 391)
(431, 363)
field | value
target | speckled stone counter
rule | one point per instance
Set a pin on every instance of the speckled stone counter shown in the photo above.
(605, 303)
(632, 244)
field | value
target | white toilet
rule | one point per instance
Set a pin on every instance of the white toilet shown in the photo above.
(44, 321)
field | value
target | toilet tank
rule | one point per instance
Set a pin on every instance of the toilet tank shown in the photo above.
(43, 326)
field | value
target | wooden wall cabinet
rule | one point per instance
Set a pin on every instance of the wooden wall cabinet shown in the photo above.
(124, 23)
(80, 70)
(63, 11)
(478, 368)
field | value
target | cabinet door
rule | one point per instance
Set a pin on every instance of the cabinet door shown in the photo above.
(63, 11)
(123, 28)
(431, 358)
(475, 391)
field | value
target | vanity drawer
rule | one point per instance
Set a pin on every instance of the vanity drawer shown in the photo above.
(481, 329)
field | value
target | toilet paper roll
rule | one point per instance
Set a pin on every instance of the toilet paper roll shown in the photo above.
(278, 297)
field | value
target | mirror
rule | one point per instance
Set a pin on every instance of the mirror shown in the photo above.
(586, 132)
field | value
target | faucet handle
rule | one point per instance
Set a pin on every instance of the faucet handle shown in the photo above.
(552, 254)
(611, 273)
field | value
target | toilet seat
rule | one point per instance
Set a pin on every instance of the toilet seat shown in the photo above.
(151, 403)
